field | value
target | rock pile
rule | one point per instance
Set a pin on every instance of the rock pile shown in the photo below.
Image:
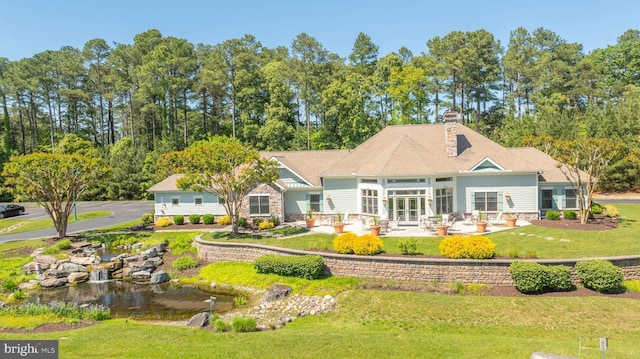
(85, 265)
(277, 307)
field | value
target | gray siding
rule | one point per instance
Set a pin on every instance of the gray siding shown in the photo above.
(295, 202)
(186, 206)
(522, 189)
(344, 195)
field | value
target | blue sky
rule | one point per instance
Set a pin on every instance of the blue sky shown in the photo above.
(31, 26)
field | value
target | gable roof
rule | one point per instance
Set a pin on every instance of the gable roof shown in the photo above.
(411, 150)
(307, 164)
(166, 185)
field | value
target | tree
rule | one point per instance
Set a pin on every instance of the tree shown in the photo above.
(53, 181)
(582, 162)
(226, 168)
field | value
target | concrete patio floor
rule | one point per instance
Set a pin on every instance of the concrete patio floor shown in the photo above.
(415, 231)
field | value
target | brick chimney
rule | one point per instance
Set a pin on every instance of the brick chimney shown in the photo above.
(450, 132)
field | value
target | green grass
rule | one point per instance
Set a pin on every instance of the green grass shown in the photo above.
(28, 225)
(384, 324)
(543, 242)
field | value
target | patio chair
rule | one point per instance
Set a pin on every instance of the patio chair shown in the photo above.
(364, 222)
(345, 218)
(394, 225)
(497, 219)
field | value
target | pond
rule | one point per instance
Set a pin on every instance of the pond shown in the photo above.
(164, 301)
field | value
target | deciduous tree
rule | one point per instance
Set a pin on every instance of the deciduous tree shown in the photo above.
(226, 168)
(53, 181)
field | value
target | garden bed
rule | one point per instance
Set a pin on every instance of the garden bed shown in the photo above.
(598, 223)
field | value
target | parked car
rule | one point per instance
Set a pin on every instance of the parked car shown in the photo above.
(10, 210)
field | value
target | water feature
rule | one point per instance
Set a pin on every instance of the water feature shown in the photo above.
(164, 301)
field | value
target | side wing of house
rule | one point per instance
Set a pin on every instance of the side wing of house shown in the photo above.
(171, 203)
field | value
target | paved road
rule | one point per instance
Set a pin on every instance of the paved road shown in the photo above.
(121, 211)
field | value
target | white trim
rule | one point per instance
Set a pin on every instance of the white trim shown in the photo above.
(274, 158)
(485, 159)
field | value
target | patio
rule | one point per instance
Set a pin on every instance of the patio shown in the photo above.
(414, 231)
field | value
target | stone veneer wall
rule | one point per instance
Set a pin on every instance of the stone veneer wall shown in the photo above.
(406, 268)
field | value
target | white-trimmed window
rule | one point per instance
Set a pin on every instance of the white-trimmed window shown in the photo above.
(315, 202)
(444, 200)
(175, 201)
(571, 200)
(370, 201)
(547, 198)
(197, 200)
(486, 201)
(259, 204)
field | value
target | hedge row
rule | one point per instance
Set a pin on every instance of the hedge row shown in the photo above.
(532, 277)
(306, 266)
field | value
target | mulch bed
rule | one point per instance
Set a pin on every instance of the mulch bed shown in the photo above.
(598, 223)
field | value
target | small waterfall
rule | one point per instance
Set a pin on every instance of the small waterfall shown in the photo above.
(98, 273)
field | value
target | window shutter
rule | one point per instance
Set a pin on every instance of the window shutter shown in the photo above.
(308, 199)
(321, 197)
(500, 196)
(473, 202)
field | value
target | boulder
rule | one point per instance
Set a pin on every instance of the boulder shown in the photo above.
(55, 273)
(160, 248)
(45, 258)
(32, 267)
(81, 244)
(148, 266)
(72, 267)
(199, 320)
(157, 261)
(85, 261)
(131, 259)
(150, 253)
(276, 292)
(30, 285)
(78, 277)
(143, 274)
(53, 282)
(37, 251)
(160, 276)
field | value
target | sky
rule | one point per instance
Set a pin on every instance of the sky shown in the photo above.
(28, 27)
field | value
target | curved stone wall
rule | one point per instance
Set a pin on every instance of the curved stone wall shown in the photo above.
(402, 268)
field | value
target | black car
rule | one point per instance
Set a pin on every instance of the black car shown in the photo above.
(10, 210)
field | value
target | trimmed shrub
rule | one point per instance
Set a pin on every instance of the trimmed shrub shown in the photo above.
(265, 225)
(553, 215)
(600, 275)
(610, 211)
(244, 324)
(306, 266)
(183, 263)
(181, 244)
(178, 220)
(163, 222)
(532, 277)
(194, 218)
(568, 214)
(275, 221)
(344, 243)
(367, 245)
(224, 220)
(242, 222)
(208, 218)
(596, 208)
(558, 278)
(147, 219)
(256, 221)
(408, 246)
(528, 277)
(473, 247)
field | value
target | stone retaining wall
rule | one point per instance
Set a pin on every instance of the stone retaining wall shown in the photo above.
(401, 268)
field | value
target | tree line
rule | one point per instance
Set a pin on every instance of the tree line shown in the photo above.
(134, 102)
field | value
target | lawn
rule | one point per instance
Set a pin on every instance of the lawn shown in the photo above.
(385, 324)
(523, 242)
(389, 324)
(18, 225)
